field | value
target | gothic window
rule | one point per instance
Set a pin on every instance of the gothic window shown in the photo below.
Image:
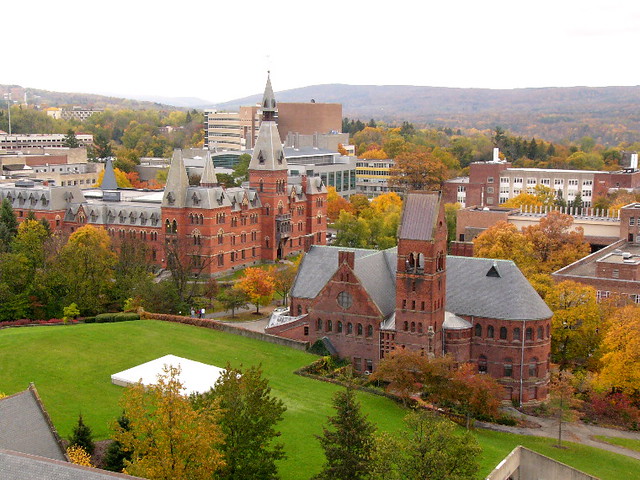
(369, 330)
(547, 331)
(345, 300)
(413, 327)
(406, 326)
(440, 262)
(260, 158)
(174, 227)
(261, 186)
(503, 333)
(411, 263)
(419, 327)
(339, 327)
(167, 226)
(191, 218)
(359, 329)
(329, 326)
(478, 331)
(490, 331)
(349, 328)
(201, 218)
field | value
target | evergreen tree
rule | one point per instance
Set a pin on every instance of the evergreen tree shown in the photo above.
(70, 139)
(8, 225)
(82, 436)
(115, 456)
(372, 123)
(249, 416)
(102, 147)
(47, 226)
(577, 201)
(349, 444)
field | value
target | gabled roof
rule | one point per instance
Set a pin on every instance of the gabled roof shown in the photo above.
(419, 216)
(485, 287)
(268, 153)
(177, 182)
(208, 178)
(20, 466)
(374, 268)
(26, 427)
(109, 178)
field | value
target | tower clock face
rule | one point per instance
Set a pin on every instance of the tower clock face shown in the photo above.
(345, 300)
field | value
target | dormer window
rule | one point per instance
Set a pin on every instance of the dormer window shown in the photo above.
(171, 198)
(280, 157)
(261, 158)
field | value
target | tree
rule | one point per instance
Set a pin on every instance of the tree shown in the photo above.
(81, 435)
(8, 225)
(336, 203)
(259, 286)
(241, 170)
(102, 147)
(349, 442)
(417, 170)
(70, 139)
(232, 299)
(433, 449)
(248, 422)
(561, 392)
(79, 456)
(504, 240)
(86, 263)
(352, 231)
(543, 196)
(621, 360)
(574, 325)
(132, 271)
(168, 438)
(186, 262)
(116, 456)
(30, 240)
(451, 216)
(283, 279)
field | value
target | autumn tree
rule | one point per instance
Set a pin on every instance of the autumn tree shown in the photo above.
(450, 214)
(504, 240)
(347, 441)
(574, 325)
(168, 438)
(621, 344)
(336, 203)
(259, 286)
(417, 170)
(248, 419)
(79, 456)
(542, 196)
(86, 263)
(561, 393)
(283, 277)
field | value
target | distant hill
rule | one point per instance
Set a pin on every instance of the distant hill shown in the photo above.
(609, 114)
(184, 102)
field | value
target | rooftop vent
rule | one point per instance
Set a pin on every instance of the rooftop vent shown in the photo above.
(493, 271)
(25, 183)
(626, 255)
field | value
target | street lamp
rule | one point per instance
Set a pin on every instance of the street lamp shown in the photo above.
(7, 97)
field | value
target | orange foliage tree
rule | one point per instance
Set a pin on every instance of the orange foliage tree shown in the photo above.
(259, 285)
(336, 204)
(418, 170)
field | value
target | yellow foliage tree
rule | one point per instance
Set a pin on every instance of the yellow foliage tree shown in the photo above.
(386, 203)
(168, 438)
(621, 360)
(79, 456)
(375, 154)
(336, 203)
(121, 179)
(543, 196)
(504, 240)
(259, 285)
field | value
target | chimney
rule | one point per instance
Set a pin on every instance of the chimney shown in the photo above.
(496, 154)
(634, 161)
(349, 257)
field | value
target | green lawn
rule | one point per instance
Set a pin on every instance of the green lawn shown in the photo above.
(629, 443)
(71, 367)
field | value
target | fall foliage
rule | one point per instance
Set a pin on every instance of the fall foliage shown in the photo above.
(259, 286)
(79, 456)
(418, 170)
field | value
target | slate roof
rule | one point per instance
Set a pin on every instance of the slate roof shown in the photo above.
(268, 153)
(454, 322)
(419, 216)
(20, 466)
(507, 296)
(109, 179)
(374, 268)
(25, 427)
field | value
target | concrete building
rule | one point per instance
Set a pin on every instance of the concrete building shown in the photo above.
(493, 183)
(231, 130)
(326, 141)
(368, 303)
(17, 142)
(75, 113)
(215, 229)
(372, 176)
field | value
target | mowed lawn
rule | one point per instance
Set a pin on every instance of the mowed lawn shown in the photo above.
(71, 367)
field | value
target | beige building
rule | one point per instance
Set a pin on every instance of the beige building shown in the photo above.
(40, 140)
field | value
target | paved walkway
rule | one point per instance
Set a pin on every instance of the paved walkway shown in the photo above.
(571, 432)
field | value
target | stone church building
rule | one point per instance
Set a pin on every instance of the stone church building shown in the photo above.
(368, 303)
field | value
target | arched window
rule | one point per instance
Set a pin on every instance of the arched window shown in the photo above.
(482, 364)
(413, 326)
(329, 326)
(516, 334)
(540, 333)
(191, 218)
(369, 330)
(478, 331)
(299, 310)
(167, 226)
(349, 328)
(411, 263)
(533, 367)
(503, 333)
(490, 332)
(406, 326)
(319, 324)
(528, 334)
(508, 367)
(261, 186)
(547, 331)
(174, 227)
(201, 217)
(339, 327)
(419, 327)
(359, 329)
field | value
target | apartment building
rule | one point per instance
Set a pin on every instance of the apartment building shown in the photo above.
(40, 140)
(372, 176)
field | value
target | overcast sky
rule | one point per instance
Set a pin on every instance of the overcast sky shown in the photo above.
(219, 50)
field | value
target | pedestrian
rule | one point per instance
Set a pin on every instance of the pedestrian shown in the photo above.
(193, 312)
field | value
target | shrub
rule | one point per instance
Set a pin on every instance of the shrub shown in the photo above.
(614, 409)
(116, 317)
(318, 348)
(82, 436)
(89, 320)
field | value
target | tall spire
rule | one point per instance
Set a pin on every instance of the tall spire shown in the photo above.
(268, 153)
(208, 178)
(269, 107)
(175, 191)
(109, 178)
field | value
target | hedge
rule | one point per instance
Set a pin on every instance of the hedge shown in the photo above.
(112, 317)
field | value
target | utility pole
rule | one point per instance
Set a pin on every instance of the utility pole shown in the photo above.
(7, 96)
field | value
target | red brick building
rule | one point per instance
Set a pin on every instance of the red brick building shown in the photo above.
(217, 229)
(367, 303)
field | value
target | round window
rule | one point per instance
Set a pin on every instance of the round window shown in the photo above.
(345, 300)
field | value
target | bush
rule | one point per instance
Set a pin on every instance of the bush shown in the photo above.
(115, 317)
(89, 320)
(318, 348)
(82, 436)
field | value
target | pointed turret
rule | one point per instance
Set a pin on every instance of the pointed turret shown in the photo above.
(208, 178)
(109, 178)
(177, 182)
(268, 153)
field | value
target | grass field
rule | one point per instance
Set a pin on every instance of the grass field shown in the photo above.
(629, 443)
(71, 367)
